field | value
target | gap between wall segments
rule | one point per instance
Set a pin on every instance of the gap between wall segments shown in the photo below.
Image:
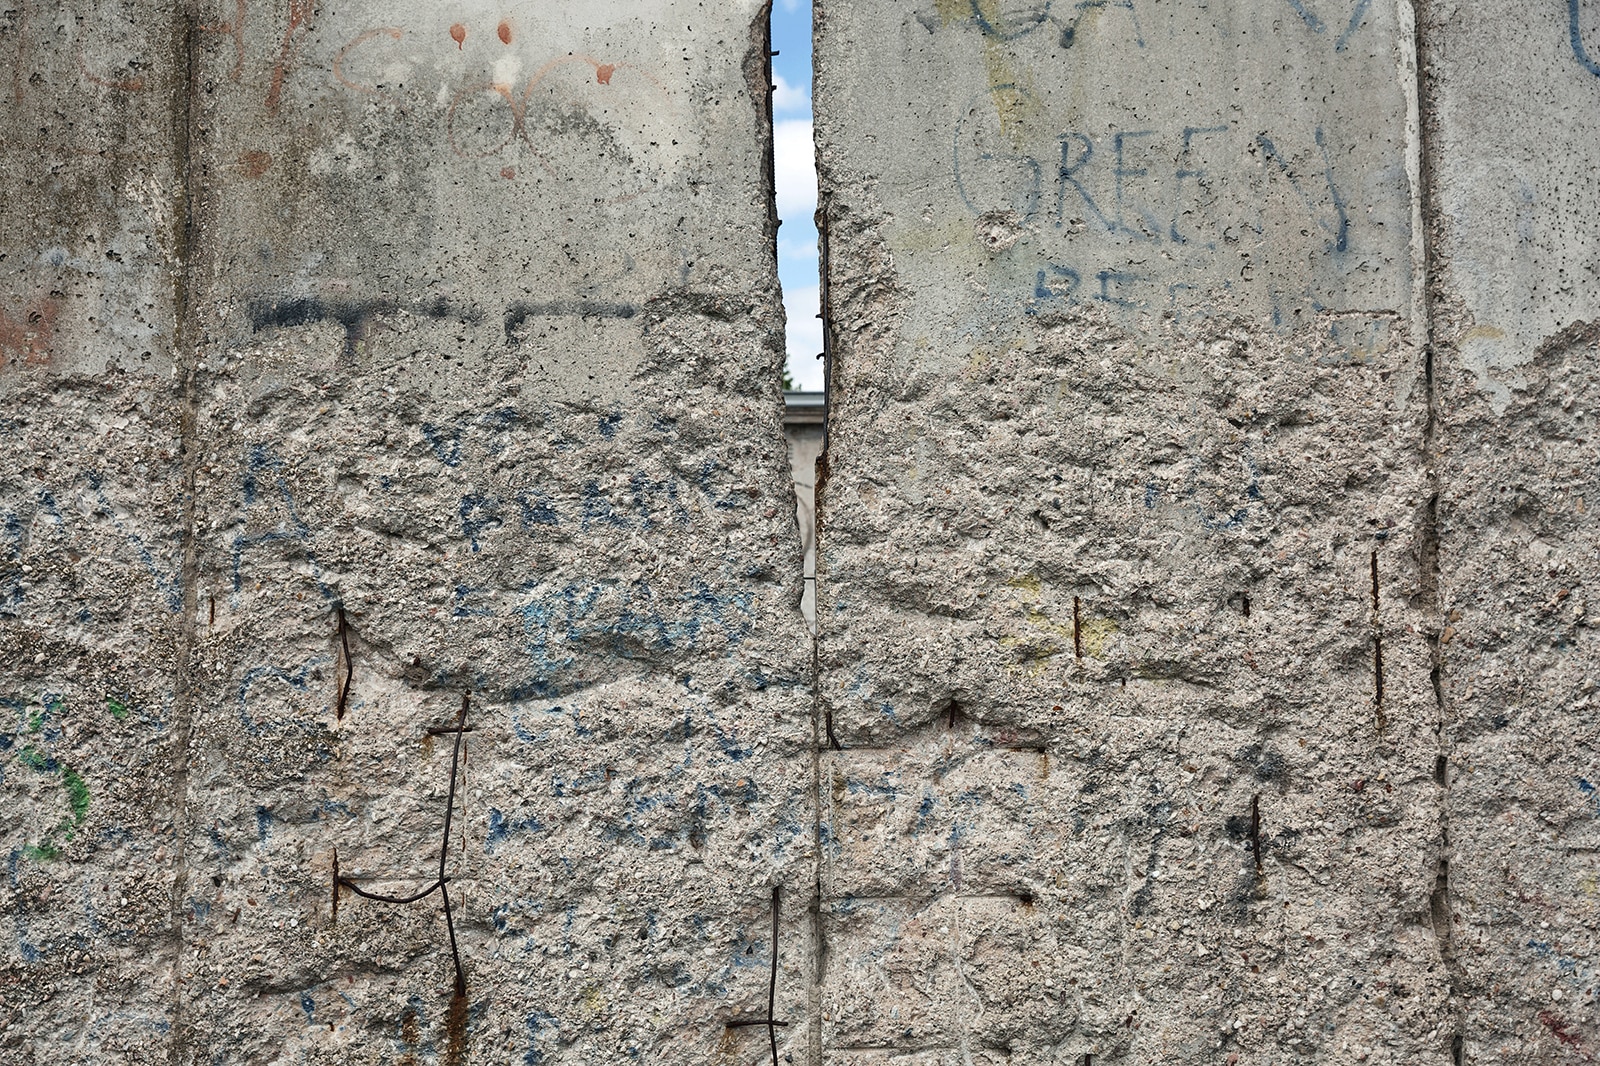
(762, 38)
(823, 737)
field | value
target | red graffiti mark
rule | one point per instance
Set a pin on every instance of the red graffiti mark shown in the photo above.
(504, 31)
(508, 172)
(393, 33)
(234, 28)
(603, 72)
(29, 337)
(127, 85)
(1559, 1029)
(255, 162)
(300, 12)
(458, 34)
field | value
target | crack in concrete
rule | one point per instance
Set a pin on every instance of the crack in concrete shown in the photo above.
(1426, 210)
(185, 126)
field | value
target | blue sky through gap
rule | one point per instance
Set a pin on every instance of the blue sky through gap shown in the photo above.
(796, 173)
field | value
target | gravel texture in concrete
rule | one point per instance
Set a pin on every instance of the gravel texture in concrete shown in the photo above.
(360, 359)
(401, 646)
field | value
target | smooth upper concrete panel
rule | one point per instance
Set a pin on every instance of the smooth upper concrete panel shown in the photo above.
(526, 179)
(90, 146)
(1161, 161)
(1516, 152)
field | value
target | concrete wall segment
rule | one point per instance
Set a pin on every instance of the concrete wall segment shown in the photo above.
(528, 437)
(1514, 146)
(92, 511)
(1124, 505)
(514, 409)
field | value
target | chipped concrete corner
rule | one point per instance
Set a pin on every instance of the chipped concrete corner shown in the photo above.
(401, 650)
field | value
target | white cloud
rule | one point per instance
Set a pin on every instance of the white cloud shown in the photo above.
(795, 164)
(786, 97)
(800, 305)
(802, 250)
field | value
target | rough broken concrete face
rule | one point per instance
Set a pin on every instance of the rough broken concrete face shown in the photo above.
(1516, 344)
(391, 428)
(1123, 549)
(466, 323)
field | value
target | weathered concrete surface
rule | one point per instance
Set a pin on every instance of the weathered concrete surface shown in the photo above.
(1514, 148)
(485, 348)
(493, 362)
(91, 520)
(1199, 678)
(1124, 494)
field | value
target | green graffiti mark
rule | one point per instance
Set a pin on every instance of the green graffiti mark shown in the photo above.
(34, 759)
(52, 704)
(77, 790)
(77, 795)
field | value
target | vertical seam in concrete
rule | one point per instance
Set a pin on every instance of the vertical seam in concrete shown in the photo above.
(816, 946)
(1417, 170)
(18, 77)
(185, 335)
(1420, 169)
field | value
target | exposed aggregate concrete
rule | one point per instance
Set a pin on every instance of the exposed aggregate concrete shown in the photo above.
(1202, 669)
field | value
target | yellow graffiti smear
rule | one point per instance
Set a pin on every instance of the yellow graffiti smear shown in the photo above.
(1046, 636)
(1043, 621)
(1094, 632)
(1028, 583)
(1014, 102)
(1032, 656)
(978, 362)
